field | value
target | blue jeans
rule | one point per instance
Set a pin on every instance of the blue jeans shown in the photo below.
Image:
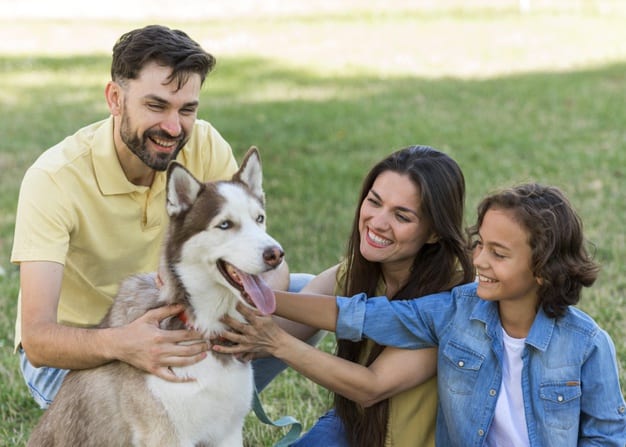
(328, 431)
(44, 383)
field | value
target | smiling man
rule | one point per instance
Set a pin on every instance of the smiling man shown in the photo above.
(91, 212)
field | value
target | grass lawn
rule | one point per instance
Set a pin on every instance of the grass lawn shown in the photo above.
(325, 94)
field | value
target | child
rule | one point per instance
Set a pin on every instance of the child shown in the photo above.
(517, 364)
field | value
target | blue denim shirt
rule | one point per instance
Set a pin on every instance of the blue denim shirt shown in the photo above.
(570, 378)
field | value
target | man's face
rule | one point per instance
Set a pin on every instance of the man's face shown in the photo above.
(157, 119)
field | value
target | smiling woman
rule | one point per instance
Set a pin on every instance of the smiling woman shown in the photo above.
(390, 225)
(407, 239)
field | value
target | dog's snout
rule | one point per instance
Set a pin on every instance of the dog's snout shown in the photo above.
(273, 256)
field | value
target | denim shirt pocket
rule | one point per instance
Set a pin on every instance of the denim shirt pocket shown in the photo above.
(461, 368)
(561, 403)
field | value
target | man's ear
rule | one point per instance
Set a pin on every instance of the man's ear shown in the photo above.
(113, 96)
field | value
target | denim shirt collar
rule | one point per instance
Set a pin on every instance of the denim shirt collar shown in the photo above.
(487, 313)
(540, 332)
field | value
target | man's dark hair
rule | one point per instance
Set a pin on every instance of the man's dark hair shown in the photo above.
(166, 47)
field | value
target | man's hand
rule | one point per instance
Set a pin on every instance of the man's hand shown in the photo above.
(144, 345)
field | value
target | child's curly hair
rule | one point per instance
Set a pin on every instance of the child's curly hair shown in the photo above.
(555, 235)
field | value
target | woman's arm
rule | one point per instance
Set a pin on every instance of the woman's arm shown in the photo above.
(395, 370)
(323, 283)
(315, 310)
(304, 306)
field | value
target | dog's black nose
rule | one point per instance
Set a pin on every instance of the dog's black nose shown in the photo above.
(273, 256)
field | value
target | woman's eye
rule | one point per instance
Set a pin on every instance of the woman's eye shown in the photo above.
(403, 218)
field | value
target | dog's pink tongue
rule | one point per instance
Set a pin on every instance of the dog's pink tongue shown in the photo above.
(260, 293)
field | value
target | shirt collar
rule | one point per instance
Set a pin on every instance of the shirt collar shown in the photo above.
(487, 312)
(540, 331)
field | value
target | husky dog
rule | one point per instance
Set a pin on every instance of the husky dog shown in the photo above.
(215, 246)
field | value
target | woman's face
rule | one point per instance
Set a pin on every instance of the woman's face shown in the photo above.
(391, 226)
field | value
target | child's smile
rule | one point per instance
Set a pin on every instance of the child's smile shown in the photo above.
(502, 259)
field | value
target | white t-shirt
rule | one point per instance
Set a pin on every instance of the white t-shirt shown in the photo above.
(508, 428)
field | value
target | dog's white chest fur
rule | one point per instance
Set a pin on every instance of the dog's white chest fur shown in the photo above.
(210, 408)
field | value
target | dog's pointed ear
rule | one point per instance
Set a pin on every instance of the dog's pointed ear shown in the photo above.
(182, 189)
(250, 173)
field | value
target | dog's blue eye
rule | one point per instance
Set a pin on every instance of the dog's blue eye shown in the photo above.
(225, 225)
(260, 219)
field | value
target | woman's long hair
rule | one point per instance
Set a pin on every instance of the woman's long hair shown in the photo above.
(437, 266)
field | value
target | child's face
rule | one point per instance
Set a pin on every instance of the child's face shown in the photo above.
(502, 260)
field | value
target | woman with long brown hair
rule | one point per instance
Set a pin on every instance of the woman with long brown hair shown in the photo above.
(407, 240)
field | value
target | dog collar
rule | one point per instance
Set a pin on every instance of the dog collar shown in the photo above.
(183, 317)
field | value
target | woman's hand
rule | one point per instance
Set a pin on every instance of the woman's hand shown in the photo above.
(261, 335)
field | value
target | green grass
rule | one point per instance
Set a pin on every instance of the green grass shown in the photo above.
(511, 97)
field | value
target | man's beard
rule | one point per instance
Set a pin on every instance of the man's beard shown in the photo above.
(137, 145)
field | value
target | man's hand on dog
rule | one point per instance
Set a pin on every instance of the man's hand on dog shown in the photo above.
(144, 345)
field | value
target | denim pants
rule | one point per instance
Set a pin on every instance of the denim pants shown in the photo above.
(44, 383)
(328, 431)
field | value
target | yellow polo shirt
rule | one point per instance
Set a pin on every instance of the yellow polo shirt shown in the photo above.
(76, 207)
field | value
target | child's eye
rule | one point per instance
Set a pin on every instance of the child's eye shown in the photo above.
(498, 255)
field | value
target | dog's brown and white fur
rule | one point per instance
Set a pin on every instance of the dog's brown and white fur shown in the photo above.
(216, 242)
